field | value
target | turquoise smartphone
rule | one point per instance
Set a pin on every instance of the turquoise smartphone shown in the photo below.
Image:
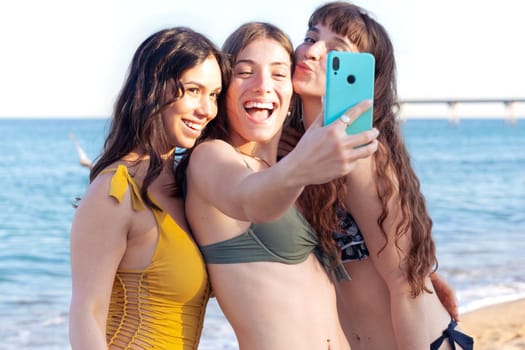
(349, 80)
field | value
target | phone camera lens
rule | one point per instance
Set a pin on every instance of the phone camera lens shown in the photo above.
(335, 63)
(350, 79)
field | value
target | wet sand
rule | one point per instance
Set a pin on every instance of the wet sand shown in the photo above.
(497, 327)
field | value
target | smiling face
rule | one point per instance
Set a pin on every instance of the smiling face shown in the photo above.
(258, 96)
(185, 118)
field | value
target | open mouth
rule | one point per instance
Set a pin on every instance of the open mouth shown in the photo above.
(259, 111)
(194, 126)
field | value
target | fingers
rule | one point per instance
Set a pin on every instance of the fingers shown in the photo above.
(363, 138)
(363, 150)
(354, 112)
(351, 115)
(360, 146)
(346, 120)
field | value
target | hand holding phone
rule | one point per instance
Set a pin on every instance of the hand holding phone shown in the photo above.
(349, 80)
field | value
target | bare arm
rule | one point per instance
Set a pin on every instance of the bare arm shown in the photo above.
(322, 154)
(98, 242)
(407, 313)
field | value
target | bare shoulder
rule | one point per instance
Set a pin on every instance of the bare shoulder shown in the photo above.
(210, 150)
(97, 197)
(211, 157)
(215, 170)
(99, 188)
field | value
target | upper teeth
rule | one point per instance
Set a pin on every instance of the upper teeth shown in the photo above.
(261, 105)
(192, 125)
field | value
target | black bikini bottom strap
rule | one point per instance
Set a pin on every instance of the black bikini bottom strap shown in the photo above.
(453, 336)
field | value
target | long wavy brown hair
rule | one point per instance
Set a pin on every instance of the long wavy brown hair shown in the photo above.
(394, 172)
(219, 127)
(137, 122)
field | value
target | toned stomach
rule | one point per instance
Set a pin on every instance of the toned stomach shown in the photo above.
(364, 310)
(276, 306)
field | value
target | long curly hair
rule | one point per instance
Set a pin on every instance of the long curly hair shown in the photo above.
(219, 127)
(137, 122)
(393, 169)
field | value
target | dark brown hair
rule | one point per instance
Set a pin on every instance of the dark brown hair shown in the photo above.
(137, 122)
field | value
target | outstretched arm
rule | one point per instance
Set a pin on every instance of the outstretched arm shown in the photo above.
(322, 154)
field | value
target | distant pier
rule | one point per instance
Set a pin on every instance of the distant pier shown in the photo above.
(509, 113)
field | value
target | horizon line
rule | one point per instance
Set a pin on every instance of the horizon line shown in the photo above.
(400, 116)
(461, 100)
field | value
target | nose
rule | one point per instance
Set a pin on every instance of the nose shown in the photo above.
(207, 107)
(316, 51)
(263, 82)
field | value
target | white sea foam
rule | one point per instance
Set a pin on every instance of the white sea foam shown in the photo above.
(474, 299)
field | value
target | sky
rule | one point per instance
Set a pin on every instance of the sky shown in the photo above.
(69, 58)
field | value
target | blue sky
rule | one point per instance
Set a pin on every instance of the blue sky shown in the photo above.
(69, 58)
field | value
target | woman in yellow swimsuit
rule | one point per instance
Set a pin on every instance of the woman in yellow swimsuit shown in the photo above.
(139, 281)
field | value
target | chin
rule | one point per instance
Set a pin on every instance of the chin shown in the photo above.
(306, 89)
(299, 85)
(188, 143)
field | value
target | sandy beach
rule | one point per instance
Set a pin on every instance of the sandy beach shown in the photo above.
(497, 327)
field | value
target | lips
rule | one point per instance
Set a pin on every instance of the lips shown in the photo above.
(192, 125)
(259, 110)
(259, 105)
(303, 67)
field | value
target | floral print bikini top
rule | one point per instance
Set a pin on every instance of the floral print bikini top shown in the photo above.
(349, 238)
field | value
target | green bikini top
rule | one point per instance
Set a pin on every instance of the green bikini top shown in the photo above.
(289, 239)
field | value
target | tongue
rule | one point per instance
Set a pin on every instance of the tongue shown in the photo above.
(258, 114)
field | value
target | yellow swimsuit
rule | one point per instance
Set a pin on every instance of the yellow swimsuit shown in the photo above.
(162, 306)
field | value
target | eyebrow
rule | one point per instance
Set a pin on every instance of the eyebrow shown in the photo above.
(248, 61)
(191, 82)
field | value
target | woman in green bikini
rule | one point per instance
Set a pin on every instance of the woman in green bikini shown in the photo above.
(262, 256)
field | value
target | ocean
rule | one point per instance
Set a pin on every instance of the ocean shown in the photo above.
(472, 175)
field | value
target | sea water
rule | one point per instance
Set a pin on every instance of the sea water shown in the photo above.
(472, 175)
